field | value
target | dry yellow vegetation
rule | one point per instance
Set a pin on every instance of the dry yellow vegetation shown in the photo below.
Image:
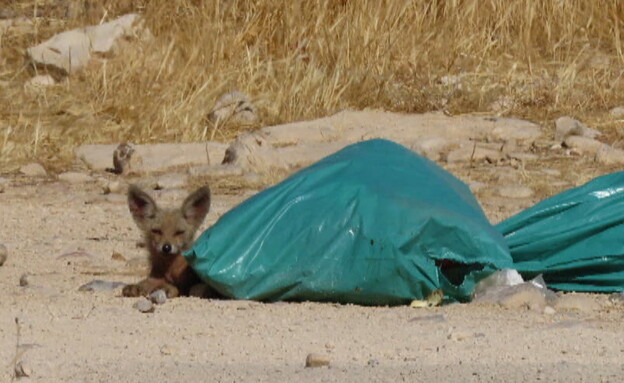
(305, 59)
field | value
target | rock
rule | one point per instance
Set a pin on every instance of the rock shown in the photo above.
(172, 181)
(299, 144)
(40, 81)
(432, 147)
(233, 108)
(568, 126)
(33, 170)
(24, 280)
(609, 155)
(584, 144)
(121, 158)
(144, 305)
(226, 170)
(154, 157)
(75, 177)
(115, 187)
(158, 297)
(585, 303)
(617, 112)
(521, 296)
(4, 254)
(317, 360)
(22, 369)
(100, 285)
(70, 51)
(515, 191)
(549, 310)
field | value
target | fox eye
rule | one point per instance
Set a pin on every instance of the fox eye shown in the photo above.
(157, 231)
(179, 232)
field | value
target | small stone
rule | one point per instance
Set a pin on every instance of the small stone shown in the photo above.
(41, 81)
(75, 177)
(115, 187)
(568, 126)
(549, 310)
(317, 360)
(515, 191)
(233, 108)
(144, 305)
(22, 369)
(24, 280)
(118, 257)
(172, 181)
(617, 112)
(121, 158)
(158, 297)
(4, 254)
(33, 170)
(99, 285)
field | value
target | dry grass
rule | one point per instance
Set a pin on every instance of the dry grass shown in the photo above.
(300, 60)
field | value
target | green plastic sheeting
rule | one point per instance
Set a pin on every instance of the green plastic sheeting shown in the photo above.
(373, 224)
(575, 239)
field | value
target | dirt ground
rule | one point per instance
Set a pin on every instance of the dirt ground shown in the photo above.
(63, 236)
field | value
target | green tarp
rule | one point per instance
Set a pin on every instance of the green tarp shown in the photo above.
(373, 224)
(575, 238)
(376, 224)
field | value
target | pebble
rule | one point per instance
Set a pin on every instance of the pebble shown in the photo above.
(24, 280)
(22, 369)
(144, 305)
(549, 310)
(317, 360)
(158, 297)
(33, 170)
(4, 253)
(100, 285)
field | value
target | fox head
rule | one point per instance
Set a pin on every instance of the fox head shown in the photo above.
(168, 232)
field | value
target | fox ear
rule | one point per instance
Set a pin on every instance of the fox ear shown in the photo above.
(141, 205)
(196, 206)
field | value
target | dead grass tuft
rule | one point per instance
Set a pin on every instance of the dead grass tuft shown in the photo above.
(301, 60)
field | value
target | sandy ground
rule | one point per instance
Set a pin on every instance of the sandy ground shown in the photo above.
(63, 236)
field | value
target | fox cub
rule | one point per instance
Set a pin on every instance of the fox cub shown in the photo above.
(167, 233)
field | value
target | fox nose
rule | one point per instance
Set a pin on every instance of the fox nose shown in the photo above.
(166, 248)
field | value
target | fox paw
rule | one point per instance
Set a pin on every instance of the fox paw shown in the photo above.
(133, 291)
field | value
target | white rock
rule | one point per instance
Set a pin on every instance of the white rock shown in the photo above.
(71, 50)
(158, 297)
(299, 144)
(234, 108)
(609, 155)
(584, 144)
(155, 157)
(75, 177)
(515, 191)
(617, 112)
(33, 170)
(568, 126)
(40, 81)
(144, 305)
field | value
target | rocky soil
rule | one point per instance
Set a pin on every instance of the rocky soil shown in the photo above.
(63, 231)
